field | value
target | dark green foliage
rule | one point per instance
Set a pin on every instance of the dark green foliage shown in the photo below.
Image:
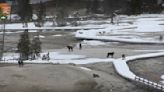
(41, 13)
(135, 7)
(110, 6)
(107, 4)
(36, 46)
(143, 6)
(88, 6)
(24, 46)
(61, 17)
(151, 6)
(24, 10)
(93, 6)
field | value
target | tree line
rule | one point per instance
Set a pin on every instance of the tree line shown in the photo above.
(25, 11)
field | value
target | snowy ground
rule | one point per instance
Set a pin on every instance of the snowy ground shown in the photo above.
(144, 29)
(129, 29)
(133, 29)
(55, 58)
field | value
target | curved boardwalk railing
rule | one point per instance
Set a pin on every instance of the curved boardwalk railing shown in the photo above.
(123, 69)
(149, 83)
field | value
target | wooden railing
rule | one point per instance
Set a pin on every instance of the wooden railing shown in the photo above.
(150, 83)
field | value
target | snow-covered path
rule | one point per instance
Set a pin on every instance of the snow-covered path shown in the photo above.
(31, 26)
(60, 61)
(123, 69)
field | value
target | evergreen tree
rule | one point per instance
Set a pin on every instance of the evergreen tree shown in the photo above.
(24, 10)
(24, 46)
(36, 46)
(107, 5)
(93, 6)
(61, 17)
(110, 6)
(151, 6)
(88, 6)
(41, 14)
(135, 7)
(13, 4)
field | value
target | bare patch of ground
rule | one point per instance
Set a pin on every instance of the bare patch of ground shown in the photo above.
(151, 69)
(64, 78)
(45, 78)
(110, 81)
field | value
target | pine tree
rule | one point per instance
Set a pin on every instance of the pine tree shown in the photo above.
(41, 13)
(135, 7)
(36, 46)
(93, 6)
(61, 17)
(88, 6)
(24, 46)
(24, 10)
(151, 6)
(107, 6)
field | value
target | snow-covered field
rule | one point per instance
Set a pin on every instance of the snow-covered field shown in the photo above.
(129, 29)
(144, 29)
(139, 29)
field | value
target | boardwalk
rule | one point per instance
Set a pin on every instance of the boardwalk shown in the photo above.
(123, 69)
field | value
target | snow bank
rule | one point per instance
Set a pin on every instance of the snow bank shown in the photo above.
(61, 61)
(56, 57)
(57, 35)
(93, 42)
(31, 25)
(40, 36)
(84, 68)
